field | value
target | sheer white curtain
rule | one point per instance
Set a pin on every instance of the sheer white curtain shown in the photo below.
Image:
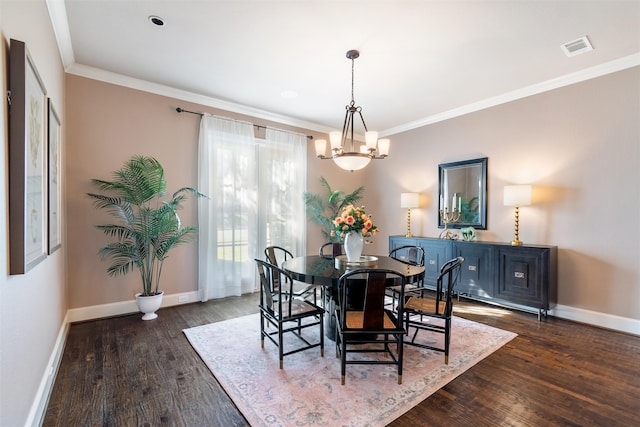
(282, 182)
(228, 218)
(255, 199)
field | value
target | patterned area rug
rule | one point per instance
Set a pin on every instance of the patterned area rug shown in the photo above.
(308, 391)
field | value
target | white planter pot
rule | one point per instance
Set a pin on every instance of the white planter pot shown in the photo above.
(149, 305)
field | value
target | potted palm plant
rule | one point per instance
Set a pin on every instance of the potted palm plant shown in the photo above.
(146, 225)
(324, 209)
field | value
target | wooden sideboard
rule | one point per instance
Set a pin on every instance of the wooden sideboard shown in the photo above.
(521, 277)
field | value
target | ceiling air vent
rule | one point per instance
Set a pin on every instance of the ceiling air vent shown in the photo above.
(576, 47)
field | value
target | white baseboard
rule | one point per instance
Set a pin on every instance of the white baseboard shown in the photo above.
(41, 400)
(595, 318)
(125, 307)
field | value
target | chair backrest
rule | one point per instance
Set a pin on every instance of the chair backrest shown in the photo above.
(276, 288)
(331, 250)
(448, 274)
(375, 281)
(266, 291)
(409, 254)
(276, 255)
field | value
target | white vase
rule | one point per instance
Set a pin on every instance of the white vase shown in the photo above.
(353, 243)
(149, 305)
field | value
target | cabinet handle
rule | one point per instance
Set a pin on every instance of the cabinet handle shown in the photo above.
(518, 275)
(472, 268)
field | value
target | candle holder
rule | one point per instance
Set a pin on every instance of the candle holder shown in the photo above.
(447, 217)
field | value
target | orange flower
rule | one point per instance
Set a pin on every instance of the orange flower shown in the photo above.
(355, 219)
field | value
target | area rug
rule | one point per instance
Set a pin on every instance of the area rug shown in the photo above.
(308, 391)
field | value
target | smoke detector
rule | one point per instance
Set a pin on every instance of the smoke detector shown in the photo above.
(576, 47)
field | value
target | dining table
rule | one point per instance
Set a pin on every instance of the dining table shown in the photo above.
(326, 271)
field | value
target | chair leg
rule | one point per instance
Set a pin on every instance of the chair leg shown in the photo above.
(343, 361)
(321, 336)
(447, 340)
(400, 337)
(280, 345)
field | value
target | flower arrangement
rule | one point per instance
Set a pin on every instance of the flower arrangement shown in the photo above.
(353, 219)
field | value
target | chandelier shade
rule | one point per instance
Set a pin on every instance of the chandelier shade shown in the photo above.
(343, 148)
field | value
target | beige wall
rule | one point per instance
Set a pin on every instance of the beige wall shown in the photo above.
(578, 146)
(33, 305)
(107, 125)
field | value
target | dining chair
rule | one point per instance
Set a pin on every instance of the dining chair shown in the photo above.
(412, 255)
(366, 327)
(420, 311)
(276, 255)
(331, 250)
(286, 314)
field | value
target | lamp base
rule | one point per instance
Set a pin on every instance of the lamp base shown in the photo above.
(516, 243)
(408, 234)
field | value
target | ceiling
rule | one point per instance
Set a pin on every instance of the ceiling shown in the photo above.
(420, 61)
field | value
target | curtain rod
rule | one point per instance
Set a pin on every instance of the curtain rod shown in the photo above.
(182, 110)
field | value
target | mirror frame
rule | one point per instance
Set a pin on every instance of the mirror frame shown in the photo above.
(445, 168)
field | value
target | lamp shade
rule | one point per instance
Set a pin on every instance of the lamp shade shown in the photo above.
(409, 200)
(383, 147)
(321, 147)
(517, 195)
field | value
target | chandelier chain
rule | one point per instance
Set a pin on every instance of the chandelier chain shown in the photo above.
(352, 80)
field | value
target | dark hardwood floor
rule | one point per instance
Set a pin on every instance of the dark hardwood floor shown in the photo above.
(126, 372)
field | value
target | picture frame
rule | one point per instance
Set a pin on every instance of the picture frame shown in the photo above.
(466, 181)
(27, 161)
(54, 176)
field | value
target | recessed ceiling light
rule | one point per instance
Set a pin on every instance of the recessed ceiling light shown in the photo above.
(156, 20)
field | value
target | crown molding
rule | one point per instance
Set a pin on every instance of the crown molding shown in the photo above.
(566, 80)
(183, 95)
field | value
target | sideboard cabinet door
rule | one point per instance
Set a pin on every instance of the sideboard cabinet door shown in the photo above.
(436, 253)
(525, 276)
(477, 270)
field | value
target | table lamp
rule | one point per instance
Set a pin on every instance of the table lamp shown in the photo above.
(408, 201)
(517, 195)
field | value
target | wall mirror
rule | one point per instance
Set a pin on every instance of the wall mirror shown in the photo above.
(463, 187)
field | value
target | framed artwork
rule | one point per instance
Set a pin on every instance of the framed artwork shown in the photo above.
(27, 162)
(54, 175)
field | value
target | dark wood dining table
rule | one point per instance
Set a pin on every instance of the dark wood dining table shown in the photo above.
(325, 271)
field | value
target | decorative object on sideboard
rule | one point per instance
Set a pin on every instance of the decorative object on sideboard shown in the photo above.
(517, 195)
(448, 216)
(408, 201)
(372, 148)
(466, 179)
(468, 234)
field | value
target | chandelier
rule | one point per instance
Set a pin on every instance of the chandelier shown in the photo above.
(346, 156)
